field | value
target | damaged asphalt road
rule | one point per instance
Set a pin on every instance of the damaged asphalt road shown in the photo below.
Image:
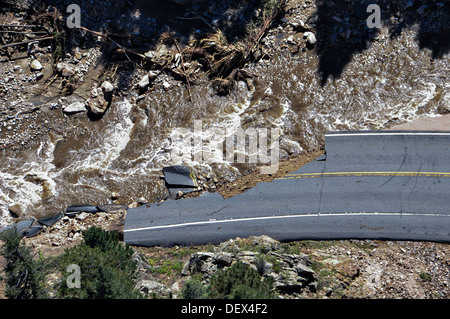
(371, 185)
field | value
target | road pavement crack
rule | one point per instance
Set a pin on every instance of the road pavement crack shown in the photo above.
(322, 184)
(217, 211)
(415, 182)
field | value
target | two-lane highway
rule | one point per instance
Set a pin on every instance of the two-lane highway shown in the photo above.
(391, 185)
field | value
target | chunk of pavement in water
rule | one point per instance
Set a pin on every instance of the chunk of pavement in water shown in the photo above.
(180, 176)
(50, 221)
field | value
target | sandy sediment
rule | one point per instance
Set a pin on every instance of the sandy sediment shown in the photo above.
(428, 123)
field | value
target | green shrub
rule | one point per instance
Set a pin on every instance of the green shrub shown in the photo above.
(425, 276)
(240, 281)
(97, 237)
(106, 267)
(24, 276)
(194, 289)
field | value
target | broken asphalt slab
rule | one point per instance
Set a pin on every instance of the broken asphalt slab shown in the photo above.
(21, 227)
(180, 177)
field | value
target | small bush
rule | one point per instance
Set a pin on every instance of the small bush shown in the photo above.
(240, 281)
(194, 289)
(425, 276)
(106, 266)
(25, 277)
(97, 237)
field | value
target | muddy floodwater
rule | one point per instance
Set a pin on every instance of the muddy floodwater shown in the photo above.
(392, 81)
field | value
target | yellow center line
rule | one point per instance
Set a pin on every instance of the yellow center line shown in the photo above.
(193, 177)
(350, 174)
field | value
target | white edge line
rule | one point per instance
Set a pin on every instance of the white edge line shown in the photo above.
(387, 133)
(278, 217)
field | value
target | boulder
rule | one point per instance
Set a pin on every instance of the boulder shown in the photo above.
(246, 257)
(142, 265)
(310, 38)
(144, 82)
(223, 258)
(199, 262)
(82, 216)
(39, 76)
(98, 102)
(67, 71)
(16, 210)
(288, 281)
(229, 245)
(298, 26)
(59, 67)
(75, 107)
(304, 271)
(150, 54)
(151, 286)
(267, 243)
(202, 256)
(152, 75)
(35, 65)
(107, 87)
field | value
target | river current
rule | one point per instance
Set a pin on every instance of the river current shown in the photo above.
(392, 82)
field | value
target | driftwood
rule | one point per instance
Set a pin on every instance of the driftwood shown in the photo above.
(25, 42)
(115, 35)
(186, 75)
(23, 32)
(17, 26)
(27, 32)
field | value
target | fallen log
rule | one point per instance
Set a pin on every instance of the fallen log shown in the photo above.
(25, 42)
